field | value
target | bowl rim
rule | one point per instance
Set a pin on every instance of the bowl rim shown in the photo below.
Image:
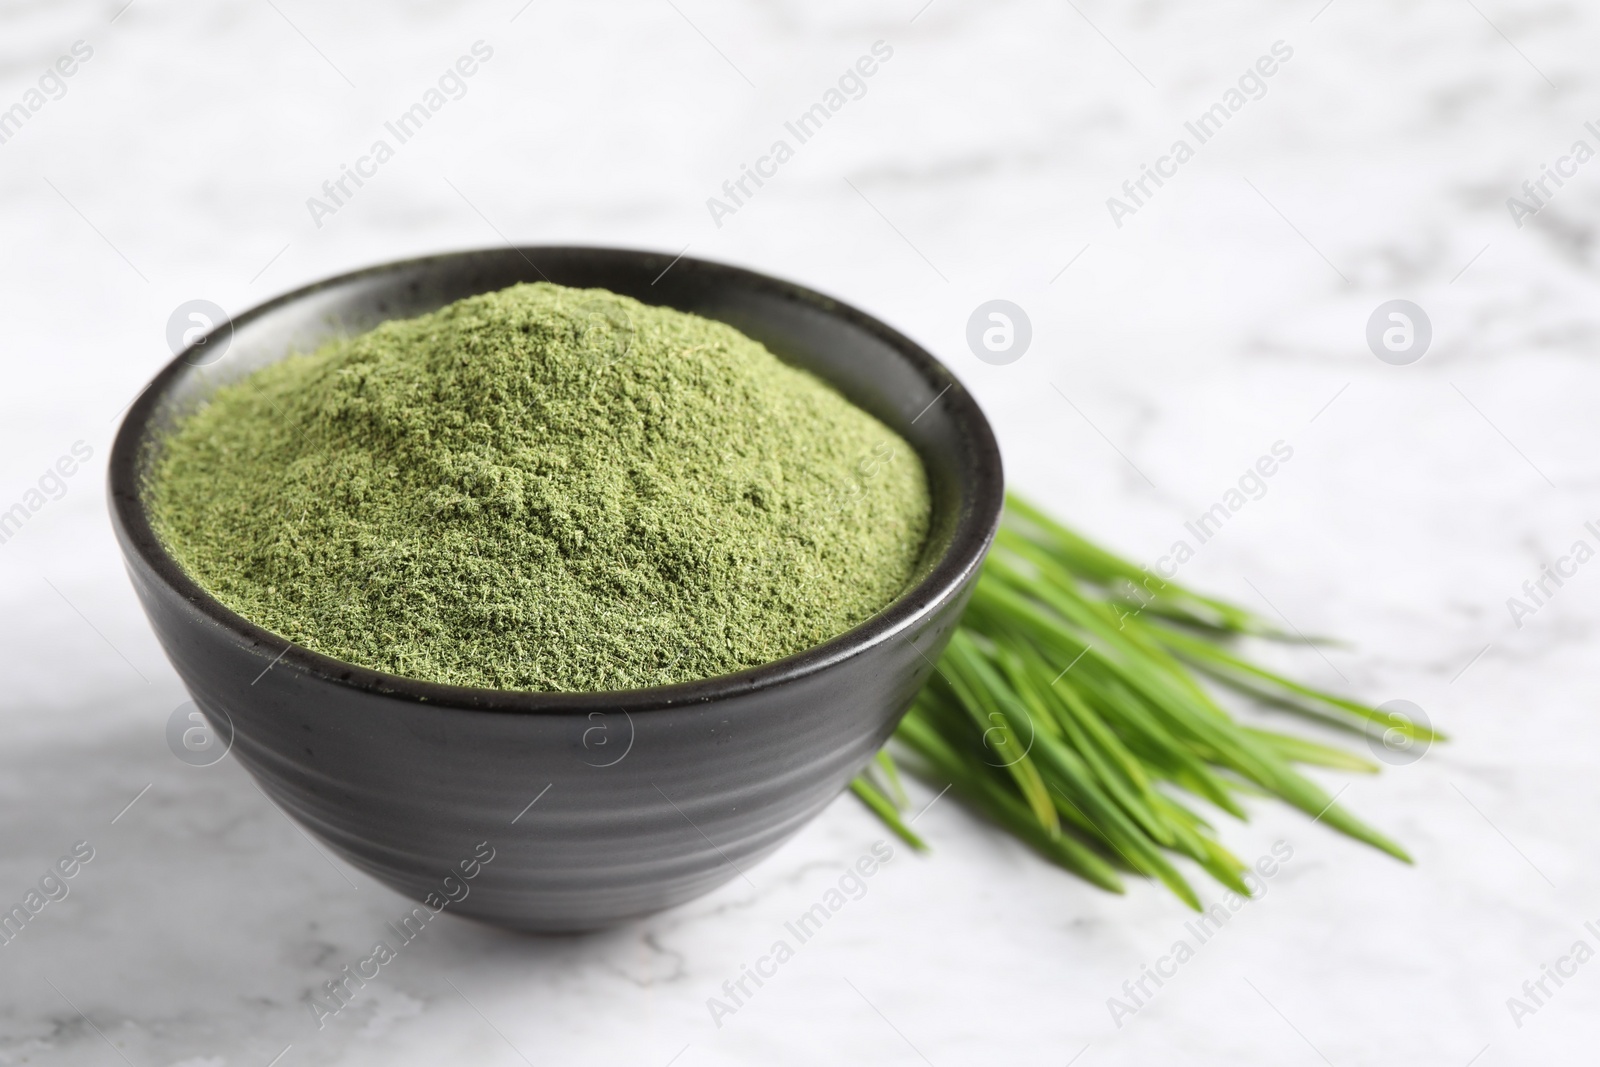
(974, 528)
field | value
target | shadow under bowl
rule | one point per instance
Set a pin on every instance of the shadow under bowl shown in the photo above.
(594, 808)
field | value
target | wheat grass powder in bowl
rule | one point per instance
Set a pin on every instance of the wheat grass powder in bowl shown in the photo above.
(546, 489)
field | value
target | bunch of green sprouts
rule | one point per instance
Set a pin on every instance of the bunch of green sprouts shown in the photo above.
(1069, 710)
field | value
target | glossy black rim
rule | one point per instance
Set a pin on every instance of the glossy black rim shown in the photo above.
(974, 526)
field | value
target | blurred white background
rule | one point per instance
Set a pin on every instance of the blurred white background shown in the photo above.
(1225, 315)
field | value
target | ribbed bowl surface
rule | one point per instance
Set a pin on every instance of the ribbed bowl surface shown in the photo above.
(559, 812)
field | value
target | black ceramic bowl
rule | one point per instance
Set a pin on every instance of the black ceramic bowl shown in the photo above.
(639, 800)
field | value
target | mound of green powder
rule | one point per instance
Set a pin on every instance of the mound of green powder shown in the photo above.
(543, 489)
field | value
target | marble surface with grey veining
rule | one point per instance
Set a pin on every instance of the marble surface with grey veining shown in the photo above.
(1176, 338)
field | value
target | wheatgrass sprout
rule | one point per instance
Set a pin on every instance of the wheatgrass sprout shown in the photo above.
(1069, 709)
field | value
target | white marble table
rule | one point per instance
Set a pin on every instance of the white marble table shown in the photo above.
(1225, 314)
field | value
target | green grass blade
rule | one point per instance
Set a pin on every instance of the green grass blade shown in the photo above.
(1069, 704)
(886, 811)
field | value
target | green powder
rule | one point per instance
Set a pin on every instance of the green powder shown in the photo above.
(543, 489)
